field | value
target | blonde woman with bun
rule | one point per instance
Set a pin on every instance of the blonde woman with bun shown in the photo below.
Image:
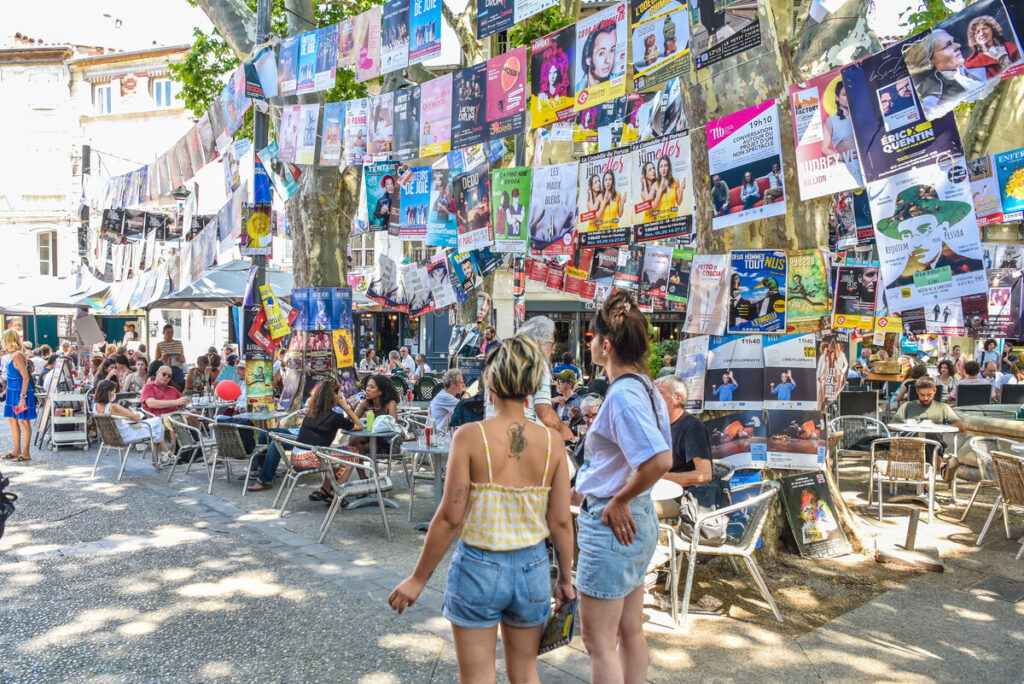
(507, 490)
(626, 452)
(20, 406)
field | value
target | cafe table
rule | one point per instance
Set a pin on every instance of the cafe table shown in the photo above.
(262, 417)
(439, 459)
(372, 499)
(926, 428)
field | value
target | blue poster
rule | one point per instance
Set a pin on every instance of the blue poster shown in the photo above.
(322, 308)
(306, 77)
(1010, 172)
(441, 228)
(415, 204)
(380, 190)
(757, 291)
(425, 41)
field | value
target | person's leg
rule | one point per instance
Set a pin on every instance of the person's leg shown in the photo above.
(26, 438)
(520, 645)
(474, 652)
(15, 436)
(599, 627)
(272, 458)
(632, 642)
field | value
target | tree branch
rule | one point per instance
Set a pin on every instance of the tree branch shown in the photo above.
(301, 16)
(235, 22)
(463, 25)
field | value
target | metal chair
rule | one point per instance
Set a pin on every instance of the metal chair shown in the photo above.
(285, 446)
(111, 440)
(331, 461)
(906, 463)
(733, 548)
(187, 438)
(1010, 476)
(229, 447)
(426, 388)
(401, 386)
(858, 432)
(975, 465)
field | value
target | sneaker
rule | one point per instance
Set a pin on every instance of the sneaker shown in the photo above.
(949, 470)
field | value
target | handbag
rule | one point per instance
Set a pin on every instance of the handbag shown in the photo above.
(713, 531)
(303, 461)
(384, 424)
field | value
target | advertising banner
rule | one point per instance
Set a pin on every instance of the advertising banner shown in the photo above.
(602, 197)
(394, 36)
(657, 263)
(691, 368)
(436, 116)
(510, 205)
(366, 32)
(988, 207)
(553, 207)
(441, 228)
(929, 243)
(740, 439)
(357, 116)
(826, 152)
(601, 57)
(473, 210)
(306, 77)
(506, 94)
(1010, 172)
(287, 65)
(415, 203)
(796, 439)
(812, 516)
(679, 276)
(468, 111)
(407, 123)
(757, 292)
(381, 186)
(660, 40)
(807, 292)
(425, 41)
(745, 162)
(552, 90)
(380, 127)
(708, 305)
(721, 29)
(662, 188)
(735, 377)
(326, 57)
(331, 133)
(790, 372)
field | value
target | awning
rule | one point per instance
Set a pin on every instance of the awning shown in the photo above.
(24, 294)
(222, 286)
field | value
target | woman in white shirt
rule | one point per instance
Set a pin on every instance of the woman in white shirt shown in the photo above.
(626, 452)
(421, 368)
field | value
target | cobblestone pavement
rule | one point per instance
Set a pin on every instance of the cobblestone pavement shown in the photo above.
(141, 580)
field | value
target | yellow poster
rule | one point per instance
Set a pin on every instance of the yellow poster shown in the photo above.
(276, 321)
(343, 348)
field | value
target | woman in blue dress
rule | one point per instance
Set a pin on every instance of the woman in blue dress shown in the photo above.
(20, 407)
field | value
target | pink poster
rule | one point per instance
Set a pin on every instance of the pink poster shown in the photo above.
(826, 153)
(506, 94)
(366, 30)
(436, 116)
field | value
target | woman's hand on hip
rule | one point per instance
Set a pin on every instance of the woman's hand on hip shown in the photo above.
(618, 517)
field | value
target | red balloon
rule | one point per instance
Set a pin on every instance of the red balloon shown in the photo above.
(228, 390)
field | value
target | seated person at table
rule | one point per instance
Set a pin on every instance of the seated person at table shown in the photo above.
(926, 408)
(159, 396)
(443, 404)
(468, 410)
(566, 403)
(971, 371)
(326, 413)
(198, 378)
(691, 445)
(912, 376)
(104, 403)
(230, 370)
(134, 382)
(382, 399)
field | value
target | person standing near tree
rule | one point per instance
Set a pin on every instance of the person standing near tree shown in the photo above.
(626, 452)
(20, 403)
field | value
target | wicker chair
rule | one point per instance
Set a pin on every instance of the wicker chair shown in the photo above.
(332, 460)
(285, 446)
(400, 383)
(229, 447)
(187, 438)
(426, 388)
(857, 434)
(111, 440)
(1010, 476)
(906, 463)
(974, 464)
(743, 547)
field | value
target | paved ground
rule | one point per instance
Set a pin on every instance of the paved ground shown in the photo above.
(145, 581)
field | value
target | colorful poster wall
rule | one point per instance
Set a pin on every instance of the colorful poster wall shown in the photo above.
(735, 378)
(757, 292)
(552, 90)
(510, 206)
(602, 198)
(662, 188)
(790, 370)
(601, 57)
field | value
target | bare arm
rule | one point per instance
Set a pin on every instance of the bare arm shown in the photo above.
(547, 415)
(444, 526)
(701, 474)
(560, 526)
(617, 515)
(122, 412)
(343, 405)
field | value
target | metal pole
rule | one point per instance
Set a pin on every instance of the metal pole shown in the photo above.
(260, 122)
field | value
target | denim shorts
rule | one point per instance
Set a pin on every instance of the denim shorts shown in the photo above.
(488, 587)
(607, 569)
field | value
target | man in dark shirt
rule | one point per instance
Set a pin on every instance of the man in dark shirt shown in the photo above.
(691, 445)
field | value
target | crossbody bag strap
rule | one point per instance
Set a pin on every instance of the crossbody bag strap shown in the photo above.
(650, 393)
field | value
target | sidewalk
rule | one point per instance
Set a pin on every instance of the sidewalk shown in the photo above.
(142, 581)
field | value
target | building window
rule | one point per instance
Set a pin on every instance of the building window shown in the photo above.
(102, 97)
(361, 248)
(46, 246)
(162, 93)
(210, 319)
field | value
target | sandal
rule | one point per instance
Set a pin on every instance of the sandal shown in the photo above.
(322, 495)
(10, 456)
(22, 457)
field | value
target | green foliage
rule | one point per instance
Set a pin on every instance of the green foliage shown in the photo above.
(932, 12)
(657, 353)
(537, 26)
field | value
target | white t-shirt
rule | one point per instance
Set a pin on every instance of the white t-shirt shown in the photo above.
(543, 396)
(624, 436)
(409, 364)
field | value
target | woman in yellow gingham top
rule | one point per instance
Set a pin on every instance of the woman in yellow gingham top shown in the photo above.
(505, 502)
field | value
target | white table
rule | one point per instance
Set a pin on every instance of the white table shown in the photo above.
(371, 500)
(666, 490)
(929, 428)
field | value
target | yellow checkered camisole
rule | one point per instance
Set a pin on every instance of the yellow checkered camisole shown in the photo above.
(502, 518)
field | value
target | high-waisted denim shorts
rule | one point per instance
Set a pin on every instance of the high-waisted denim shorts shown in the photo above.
(488, 587)
(607, 569)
